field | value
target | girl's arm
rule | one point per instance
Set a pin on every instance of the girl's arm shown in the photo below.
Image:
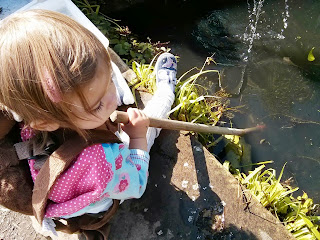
(136, 155)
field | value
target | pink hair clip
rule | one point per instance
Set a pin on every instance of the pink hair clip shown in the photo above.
(50, 87)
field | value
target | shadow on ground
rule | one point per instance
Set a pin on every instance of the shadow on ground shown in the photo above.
(169, 211)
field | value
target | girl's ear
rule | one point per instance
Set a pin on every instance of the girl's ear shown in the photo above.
(43, 125)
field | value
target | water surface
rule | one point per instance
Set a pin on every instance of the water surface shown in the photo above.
(262, 47)
(270, 41)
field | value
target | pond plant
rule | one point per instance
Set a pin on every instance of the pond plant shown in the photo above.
(296, 213)
(192, 101)
(146, 77)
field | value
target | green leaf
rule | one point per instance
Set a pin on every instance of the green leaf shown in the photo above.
(119, 49)
(310, 55)
(104, 31)
(114, 41)
(311, 226)
(132, 54)
(144, 47)
(126, 45)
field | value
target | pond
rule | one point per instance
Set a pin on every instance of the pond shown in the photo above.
(262, 49)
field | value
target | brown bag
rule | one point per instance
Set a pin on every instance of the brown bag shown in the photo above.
(15, 179)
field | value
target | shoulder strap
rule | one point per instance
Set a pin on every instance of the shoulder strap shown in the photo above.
(92, 221)
(59, 161)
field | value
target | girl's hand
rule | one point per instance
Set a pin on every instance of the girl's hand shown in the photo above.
(136, 128)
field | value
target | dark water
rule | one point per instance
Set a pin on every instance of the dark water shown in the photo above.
(262, 48)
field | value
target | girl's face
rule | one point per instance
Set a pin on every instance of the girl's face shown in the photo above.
(100, 94)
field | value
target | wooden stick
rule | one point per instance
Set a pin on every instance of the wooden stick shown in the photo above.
(122, 117)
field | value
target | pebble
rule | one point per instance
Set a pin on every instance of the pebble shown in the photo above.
(184, 184)
(198, 149)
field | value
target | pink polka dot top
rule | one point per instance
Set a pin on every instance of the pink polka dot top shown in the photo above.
(100, 171)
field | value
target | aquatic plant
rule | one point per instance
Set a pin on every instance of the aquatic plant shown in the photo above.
(237, 151)
(297, 214)
(189, 104)
(192, 101)
(192, 106)
(121, 39)
(146, 77)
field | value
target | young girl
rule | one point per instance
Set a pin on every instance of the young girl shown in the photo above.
(56, 75)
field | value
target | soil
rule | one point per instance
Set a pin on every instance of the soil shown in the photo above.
(16, 226)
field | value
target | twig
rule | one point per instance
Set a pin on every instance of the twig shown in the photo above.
(122, 117)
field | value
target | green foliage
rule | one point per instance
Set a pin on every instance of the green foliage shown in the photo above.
(146, 77)
(121, 40)
(238, 152)
(189, 105)
(297, 214)
(192, 103)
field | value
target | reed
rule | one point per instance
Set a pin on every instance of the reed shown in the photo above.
(298, 214)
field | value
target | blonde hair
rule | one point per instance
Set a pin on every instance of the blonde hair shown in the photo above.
(38, 41)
